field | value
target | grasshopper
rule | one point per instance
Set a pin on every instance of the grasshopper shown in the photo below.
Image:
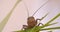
(31, 22)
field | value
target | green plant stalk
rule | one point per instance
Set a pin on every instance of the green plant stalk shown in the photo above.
(5, 20)
(53, 19)
(53, 28)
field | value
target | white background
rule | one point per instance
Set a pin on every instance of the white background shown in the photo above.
(19, 16)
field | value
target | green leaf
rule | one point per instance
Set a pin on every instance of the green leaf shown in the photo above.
(54, 23)
(53, 19)
(53, 28)
(5, 20)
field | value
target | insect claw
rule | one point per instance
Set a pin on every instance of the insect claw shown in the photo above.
(24, 27)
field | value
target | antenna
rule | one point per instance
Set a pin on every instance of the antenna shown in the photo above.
(40, 8)
(26, 9)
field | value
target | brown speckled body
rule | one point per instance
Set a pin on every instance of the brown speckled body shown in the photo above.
(31, 22)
